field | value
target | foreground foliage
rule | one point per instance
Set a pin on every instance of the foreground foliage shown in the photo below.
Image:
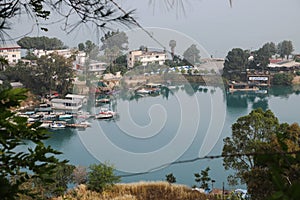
(23, 155)
(265, 155)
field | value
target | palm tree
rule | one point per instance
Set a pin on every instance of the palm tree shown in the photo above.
(172, 44)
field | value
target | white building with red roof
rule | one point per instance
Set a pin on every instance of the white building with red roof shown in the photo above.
(12, 53)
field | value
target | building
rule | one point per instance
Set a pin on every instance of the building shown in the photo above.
(95, 67)
(66, 53)
(11, 53)
(145, 57)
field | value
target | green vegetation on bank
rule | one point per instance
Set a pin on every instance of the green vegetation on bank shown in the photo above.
(239, 61)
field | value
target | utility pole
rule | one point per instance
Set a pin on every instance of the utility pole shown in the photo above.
(223, 191)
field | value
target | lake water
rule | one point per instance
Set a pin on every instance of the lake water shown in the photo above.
(182, 124)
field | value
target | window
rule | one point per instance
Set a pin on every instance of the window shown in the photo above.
(14, 56)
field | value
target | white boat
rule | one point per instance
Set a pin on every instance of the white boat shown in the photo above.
(31, 120)
(107, 111)
(104, 116)
(57, 125)
(88, 124)
(49, 117)
(143, 91)
(83, 115)
(65, 117)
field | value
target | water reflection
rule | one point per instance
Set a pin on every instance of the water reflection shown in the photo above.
(243, 100)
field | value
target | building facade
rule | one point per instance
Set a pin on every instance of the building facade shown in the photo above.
(66, 53)
(11, 53)
(145, 57)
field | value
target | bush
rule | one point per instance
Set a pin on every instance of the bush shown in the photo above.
(282, 79)
(101, 177)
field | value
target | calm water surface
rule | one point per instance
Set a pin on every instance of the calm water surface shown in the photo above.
(182, 124)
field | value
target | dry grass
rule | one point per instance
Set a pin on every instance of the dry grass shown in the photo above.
(138, 191)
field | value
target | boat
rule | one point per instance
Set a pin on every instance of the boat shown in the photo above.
(45, 125)
(84, 115)
(150, 88)
(65, 117)
(88, 124)
(104, 116)
(103, 100)
(77, 126)
(57, 125)
(143, 91)
(43, 108)
(49, 117)
(108, 111)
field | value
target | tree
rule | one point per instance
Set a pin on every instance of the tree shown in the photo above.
(282, 79)
(113, 45)
(258, 153)
(247, 133)
(80, 175)
(101, 177)
(235, 64)
(203, 178)
(90, 48)
(170, 178)
(100, 13)
(3, 63)
(285, 48)
(52, 72)
(81, 47)
(192, 54)
(115, 39)
(261, 59)
(270, 47)
(61, 177)
(43, 42)
(172, 45)
(17, 167)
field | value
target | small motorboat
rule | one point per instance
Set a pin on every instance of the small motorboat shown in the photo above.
(88, 124)
(65, 117)
(57, 125)
(104, 116)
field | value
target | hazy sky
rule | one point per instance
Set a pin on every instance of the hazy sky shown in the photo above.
(212, 23)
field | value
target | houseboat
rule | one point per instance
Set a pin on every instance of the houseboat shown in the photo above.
(70, 105)
(82, 98)
(242, 87)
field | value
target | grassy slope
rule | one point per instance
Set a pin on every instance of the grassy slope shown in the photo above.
(138, 191)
